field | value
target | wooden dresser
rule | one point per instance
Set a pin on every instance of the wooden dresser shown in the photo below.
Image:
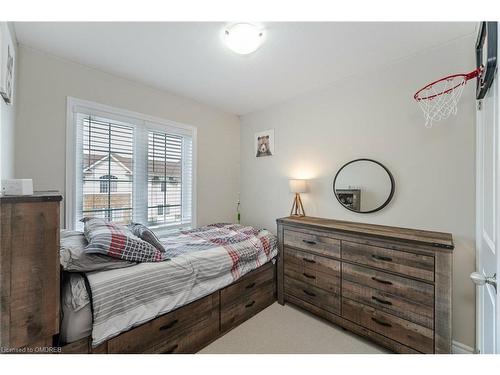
(29, 270)
(391, 285)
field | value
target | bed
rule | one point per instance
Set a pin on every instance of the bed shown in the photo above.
(220, 268)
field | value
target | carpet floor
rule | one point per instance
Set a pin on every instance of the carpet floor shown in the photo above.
(289, 330)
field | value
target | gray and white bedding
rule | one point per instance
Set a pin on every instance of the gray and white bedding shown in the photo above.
(201, 261)
(76, 320)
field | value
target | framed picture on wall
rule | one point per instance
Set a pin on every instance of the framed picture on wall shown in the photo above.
(7, 63)
(264, 143)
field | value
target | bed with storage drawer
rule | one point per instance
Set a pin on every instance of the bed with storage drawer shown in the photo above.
(189, 328)
(391, 285)
(203, 283)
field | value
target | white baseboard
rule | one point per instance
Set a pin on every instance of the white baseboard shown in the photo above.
(459, 348)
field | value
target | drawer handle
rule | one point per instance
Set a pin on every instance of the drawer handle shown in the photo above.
(382, 301)
(309, 242)
(380, 257)
(309, 293)
(309, 276)
(382, 323)
(381, 281)
(250, 286)
(169, 325)
(308, 260)
(250, 304)
(172, 349)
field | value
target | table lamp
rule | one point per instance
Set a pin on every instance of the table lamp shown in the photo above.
(297, 187)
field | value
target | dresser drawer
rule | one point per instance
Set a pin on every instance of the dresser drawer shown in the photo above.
(409, 289)
(165, 327)
(318, 271)
(406, 309)
(403, 331)
(405, 263)
(245, 307)
(314, 278)
(315, 243)
(248, 284)
(316, 296)
(304, 260)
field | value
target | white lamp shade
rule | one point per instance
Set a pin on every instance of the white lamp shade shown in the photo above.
(297, 186)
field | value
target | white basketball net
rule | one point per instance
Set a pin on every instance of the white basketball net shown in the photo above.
(440, 100)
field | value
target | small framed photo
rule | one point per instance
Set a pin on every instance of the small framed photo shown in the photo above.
(264, 143)
(7, 63)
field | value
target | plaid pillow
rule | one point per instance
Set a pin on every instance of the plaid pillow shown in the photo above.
(146, 234)
(117, 241)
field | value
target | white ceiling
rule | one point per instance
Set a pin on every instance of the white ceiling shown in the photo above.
(189, 59)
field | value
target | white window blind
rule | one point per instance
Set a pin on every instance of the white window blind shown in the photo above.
(164, 178)
(129, 169)
(107, 169)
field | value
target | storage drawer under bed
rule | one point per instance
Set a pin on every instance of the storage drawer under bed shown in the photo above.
(259, 278)
(160, 330)
(237, 311)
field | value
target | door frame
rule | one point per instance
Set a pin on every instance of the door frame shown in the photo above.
(479, 218)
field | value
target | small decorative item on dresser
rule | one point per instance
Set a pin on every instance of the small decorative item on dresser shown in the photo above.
(22, 186)
(297, 187)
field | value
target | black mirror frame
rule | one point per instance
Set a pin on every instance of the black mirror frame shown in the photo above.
(389, 198)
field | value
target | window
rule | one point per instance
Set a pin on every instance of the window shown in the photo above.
(164, 165)
(128, 167)
(108, 185)
(156, 181)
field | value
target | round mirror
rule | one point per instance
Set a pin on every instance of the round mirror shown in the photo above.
(363, 186)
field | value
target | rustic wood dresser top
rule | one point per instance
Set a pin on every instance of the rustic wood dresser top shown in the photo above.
(424, 237)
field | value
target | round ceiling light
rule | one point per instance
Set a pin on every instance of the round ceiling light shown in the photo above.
(243, 38)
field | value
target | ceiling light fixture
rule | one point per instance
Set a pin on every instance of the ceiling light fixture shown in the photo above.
(243, 38)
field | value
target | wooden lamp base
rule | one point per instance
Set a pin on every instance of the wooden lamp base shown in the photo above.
(297, 207)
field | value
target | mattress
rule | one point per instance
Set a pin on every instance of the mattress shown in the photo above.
(202, 261)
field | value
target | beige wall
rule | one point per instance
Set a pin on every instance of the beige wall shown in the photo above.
(7, 127)
(45, 82)
(373, 115)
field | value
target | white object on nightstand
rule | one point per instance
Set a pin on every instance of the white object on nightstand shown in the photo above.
(22, 186)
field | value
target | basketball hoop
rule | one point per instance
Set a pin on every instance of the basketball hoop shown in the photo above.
(439, 99)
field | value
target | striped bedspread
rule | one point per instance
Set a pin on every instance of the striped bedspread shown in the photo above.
(201, 261)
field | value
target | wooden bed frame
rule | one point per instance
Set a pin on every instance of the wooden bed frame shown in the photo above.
(30, 293)
(190, 328)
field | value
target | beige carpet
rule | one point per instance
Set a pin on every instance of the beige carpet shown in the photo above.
(289, 330)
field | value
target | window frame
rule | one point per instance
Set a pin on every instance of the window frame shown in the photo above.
(136, 119)
(107, 184)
